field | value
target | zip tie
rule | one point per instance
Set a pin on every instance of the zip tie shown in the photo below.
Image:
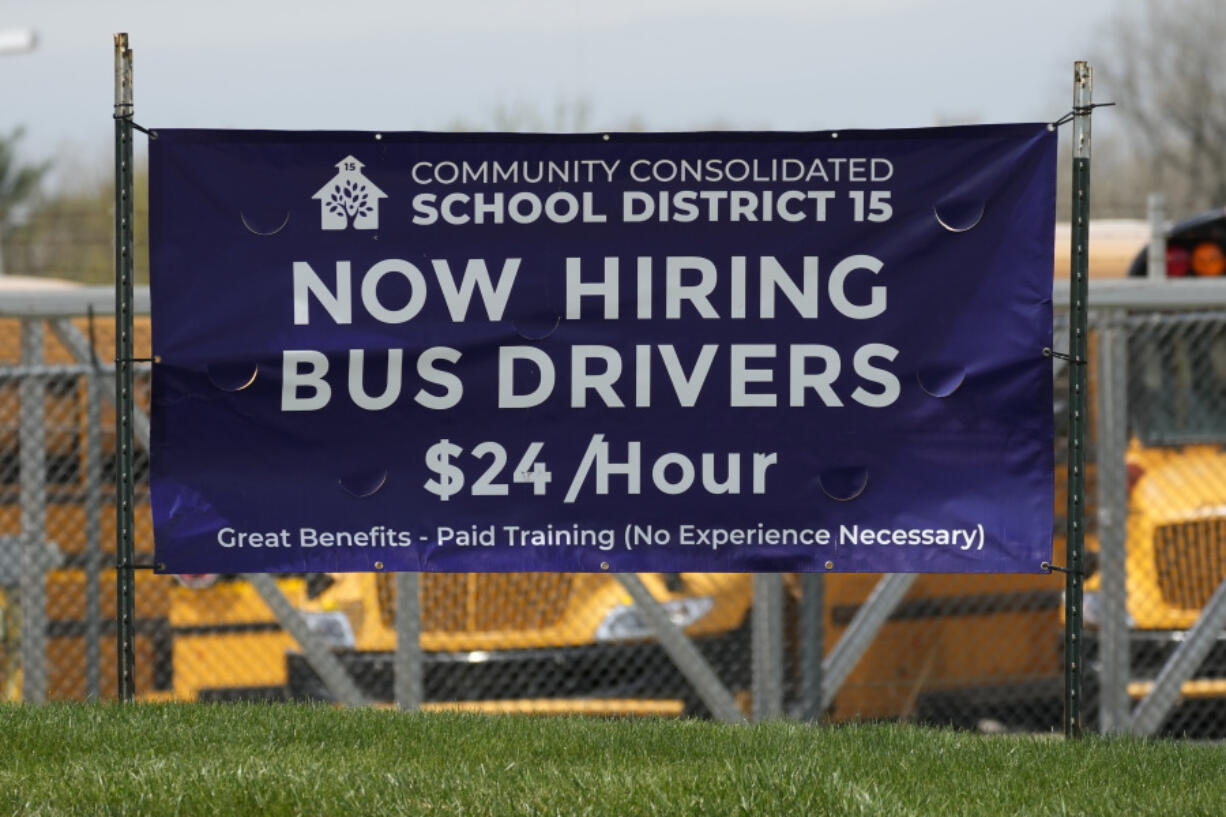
(154, 566)
(1048, 567)
(154, 359)
(1078, 110)
(1049, 352)
(152, 134)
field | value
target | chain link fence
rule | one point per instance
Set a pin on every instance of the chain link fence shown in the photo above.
(57, 583)
(975, 651)
(1157, 606)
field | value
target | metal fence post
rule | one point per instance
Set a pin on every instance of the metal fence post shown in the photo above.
(812, 644)
(407, 666)
(33, 464)
(1155, 205)
(1112, 401)
(860, 632)
(1075, 577)
(767, 646)
(329, 668)
(82, 350)
(685, 656)
(93, 533)
(1189, 655)
(125, 513)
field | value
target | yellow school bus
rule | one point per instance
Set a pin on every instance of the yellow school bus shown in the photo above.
(956, 649)
(500, 642)
(1175, 530)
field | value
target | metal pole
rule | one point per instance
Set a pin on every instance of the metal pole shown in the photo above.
(1156, 260)
(767, 646)
(687, 658)
(325, 663)
(93, 534)
(812, 644)
(1078, 329)
(407, 667)
(1112, 401)
(865, 624)
(125, 546)
(1162, 697)
(34, 562)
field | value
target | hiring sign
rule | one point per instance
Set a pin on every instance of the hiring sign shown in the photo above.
(622, 352)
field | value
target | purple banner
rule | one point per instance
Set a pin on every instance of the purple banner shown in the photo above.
(605, 352)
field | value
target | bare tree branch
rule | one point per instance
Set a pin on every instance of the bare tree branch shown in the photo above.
(1165, 63)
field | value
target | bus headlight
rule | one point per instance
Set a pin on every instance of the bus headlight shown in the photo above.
(1094, 608)
(1091, 609)
(624, 622)
(332, 628)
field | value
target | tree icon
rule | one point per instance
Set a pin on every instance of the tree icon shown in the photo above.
(349, 199)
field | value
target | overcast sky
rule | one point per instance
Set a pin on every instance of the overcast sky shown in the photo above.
(670, 64)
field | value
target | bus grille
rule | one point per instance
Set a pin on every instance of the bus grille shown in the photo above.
(484, 602)
(1191, 561)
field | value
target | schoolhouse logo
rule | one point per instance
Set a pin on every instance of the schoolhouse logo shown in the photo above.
(349, 199)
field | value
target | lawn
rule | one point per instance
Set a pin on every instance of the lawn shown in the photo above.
(93, 759)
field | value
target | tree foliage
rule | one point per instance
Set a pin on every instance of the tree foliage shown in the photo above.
(1164, 63)
(18, 183)
(70, 233)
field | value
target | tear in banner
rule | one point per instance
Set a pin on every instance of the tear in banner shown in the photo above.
(606, 352)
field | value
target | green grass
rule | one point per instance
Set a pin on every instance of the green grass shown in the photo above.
(275, 760)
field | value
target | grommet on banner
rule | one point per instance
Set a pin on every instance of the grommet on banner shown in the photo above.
(557, 321)
(284, 223)
(364, 484)
(232, 377)
(604, 565)
(941, 380)
(843, 484)
(830, 565)
(1049, 352)
(959, 214)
